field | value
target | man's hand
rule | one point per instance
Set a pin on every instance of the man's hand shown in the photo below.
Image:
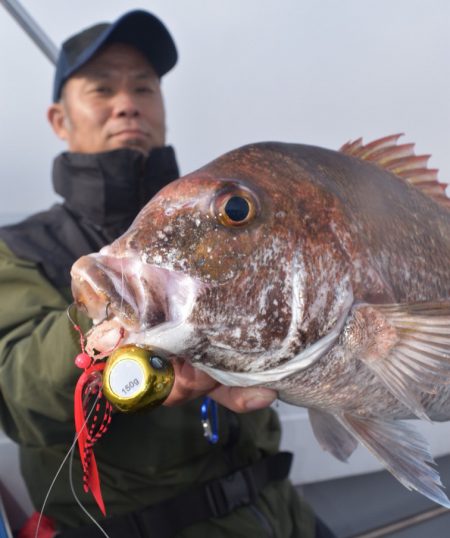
(191, 383)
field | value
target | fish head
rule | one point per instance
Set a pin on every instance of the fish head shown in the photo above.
(234, 265)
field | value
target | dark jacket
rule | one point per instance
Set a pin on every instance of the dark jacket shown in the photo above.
(145, 457)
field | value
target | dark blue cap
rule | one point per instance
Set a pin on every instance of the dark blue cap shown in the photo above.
(137, 28)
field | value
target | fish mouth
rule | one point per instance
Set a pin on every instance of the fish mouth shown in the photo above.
(128, 299)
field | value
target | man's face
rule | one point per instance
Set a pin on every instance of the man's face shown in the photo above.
(112, 102)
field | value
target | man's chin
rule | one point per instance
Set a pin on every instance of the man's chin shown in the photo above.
(136, 145)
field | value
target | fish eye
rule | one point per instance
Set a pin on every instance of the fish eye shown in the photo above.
(235, 208)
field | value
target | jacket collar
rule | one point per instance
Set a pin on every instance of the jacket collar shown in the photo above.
(108, 189)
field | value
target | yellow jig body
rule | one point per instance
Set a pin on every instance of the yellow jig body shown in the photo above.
(136, 378)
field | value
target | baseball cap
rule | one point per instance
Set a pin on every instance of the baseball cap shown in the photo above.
(137, 28)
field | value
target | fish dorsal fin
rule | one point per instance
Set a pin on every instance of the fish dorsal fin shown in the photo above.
(400, 159)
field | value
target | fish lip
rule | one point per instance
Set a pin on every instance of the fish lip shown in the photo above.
(138, 298)
(156, 295)
(95, 290)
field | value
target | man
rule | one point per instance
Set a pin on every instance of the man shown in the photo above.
(159, 476)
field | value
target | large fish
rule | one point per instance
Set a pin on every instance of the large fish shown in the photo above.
(324, 275)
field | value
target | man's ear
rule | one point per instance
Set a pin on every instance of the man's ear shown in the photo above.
(56, 116)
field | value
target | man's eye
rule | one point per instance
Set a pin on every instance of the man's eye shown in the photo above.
(102, 90)
(145, 89)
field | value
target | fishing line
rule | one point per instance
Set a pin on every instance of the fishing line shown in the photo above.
(69, 452)
(122, 285)
(72, 305)
(72, 488)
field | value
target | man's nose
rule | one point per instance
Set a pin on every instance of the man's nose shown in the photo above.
(126, 105)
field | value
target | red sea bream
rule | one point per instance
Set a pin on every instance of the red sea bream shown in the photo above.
(324, 275)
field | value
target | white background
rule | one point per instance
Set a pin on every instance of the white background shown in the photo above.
(310, 71)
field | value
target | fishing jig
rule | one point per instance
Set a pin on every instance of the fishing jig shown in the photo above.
(131, 378)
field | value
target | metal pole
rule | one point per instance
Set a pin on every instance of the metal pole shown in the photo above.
(397, 526)
(31, 27)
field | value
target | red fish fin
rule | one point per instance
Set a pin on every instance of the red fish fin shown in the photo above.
(400, 160)
(402, 450)
(408, 351)
(331, 435)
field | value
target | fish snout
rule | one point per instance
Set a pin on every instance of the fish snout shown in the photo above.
(132, 301)
(101, 289)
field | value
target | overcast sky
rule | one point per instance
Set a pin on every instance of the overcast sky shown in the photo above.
(309, 71)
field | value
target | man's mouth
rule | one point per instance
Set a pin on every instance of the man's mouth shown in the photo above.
(131, 134)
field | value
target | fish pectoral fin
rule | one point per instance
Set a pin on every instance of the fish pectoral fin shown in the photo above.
(402, 450)
(406, 345)
(331, 434)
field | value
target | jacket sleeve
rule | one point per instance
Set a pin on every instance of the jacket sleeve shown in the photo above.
(38, 345)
